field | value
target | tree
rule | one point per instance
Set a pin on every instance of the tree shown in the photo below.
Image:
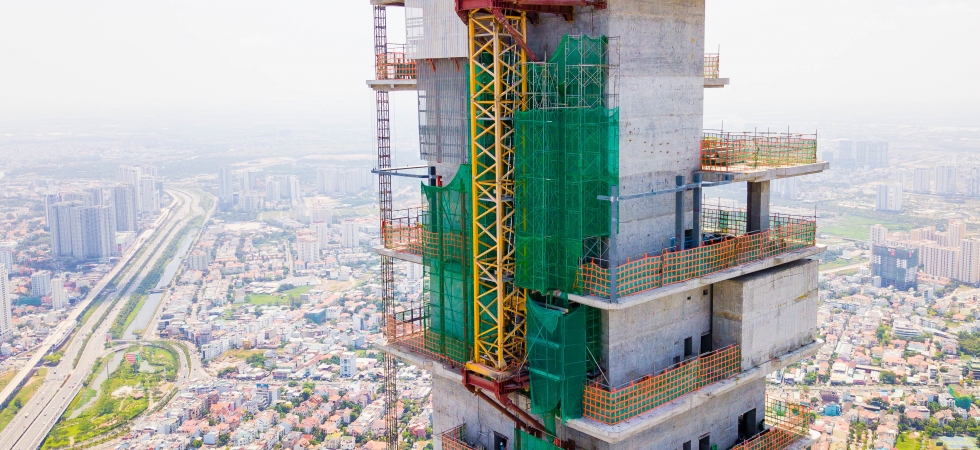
(888, 377)
(197, 443)
(223, 439)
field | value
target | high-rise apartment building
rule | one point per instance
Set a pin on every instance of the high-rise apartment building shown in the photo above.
(922, 180)
(969, 267)
(98, 232)
(124, 206)
(248, 182)
(350, 234)
(6, 321)
(873, 154)
(149, 196)
(889, 197)
(226, 190)
(940, 261)
(579, 291)
(326, 180)
(8, 251)
(324, 215)
(292, 190)
(946, 180)
(130, 175)
(83, 232)
(40, 283)
(973, 183)
(272, 191)
(308, 249)
(66, 230)
(897, 265)
(879, 234)
(59, 295)
(348, 364)
(96, 196)
(322, 232)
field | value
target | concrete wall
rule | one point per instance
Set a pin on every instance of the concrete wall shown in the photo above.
(661, 100)
(453, 405)
(644, 339)
(770, 312)
(720, 420)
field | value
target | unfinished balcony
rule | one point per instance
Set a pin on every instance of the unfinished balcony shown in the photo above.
(729, 248)
(712, 71)
(758, 156)
(614, 405)
(402, 237)
(394, 70)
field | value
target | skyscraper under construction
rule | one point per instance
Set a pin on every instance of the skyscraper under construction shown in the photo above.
(578, 294)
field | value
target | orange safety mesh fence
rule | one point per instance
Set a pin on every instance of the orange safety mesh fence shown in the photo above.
(615, 405)
(711, 66)
(407, 331)
(726, 246)
(405, 231)
(733, 152)
(455, 439)
(787, 423)
(395, 64)
(408, 232)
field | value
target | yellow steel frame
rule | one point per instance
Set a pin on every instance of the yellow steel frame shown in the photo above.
(497, 87)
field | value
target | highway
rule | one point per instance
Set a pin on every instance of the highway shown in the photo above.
(39, 415)
(65, 328)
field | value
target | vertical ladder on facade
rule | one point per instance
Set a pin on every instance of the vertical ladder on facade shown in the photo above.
(497, 86)
(385, 208)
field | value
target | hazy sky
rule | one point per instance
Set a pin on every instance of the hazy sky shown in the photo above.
(854, 58)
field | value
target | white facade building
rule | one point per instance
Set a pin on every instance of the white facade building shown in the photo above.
(350, 235)
(6, 322)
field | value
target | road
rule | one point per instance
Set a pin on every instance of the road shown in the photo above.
(36, 419)
(68, 325)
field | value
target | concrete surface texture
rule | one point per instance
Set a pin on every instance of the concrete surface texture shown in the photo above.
(769, 313)
(646, 338)
(719, 423)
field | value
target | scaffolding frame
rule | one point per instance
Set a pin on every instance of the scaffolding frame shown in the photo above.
(455, 439)
(497, 85)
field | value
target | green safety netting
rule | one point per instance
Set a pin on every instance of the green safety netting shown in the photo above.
(566, 154)
(447, 261)
(528, 442)
(557, 358)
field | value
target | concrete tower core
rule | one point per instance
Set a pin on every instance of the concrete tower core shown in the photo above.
(661, 339)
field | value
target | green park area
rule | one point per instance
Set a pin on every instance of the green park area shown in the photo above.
(126, 393)
(856, 227)
(279, 298)
(25, 394)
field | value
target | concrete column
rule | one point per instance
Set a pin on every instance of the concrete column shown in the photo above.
(758, 206)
